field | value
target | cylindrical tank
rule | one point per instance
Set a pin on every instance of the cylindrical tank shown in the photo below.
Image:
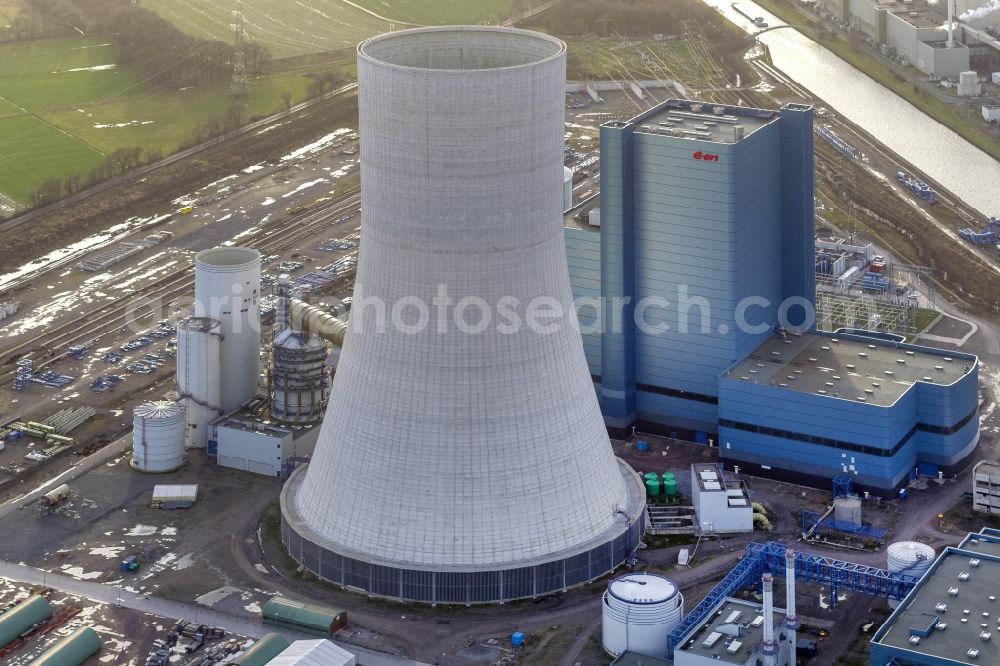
(57, 495)
(639, 610)
(263, 651)
(847, 510)
(199, 376)
(567, 188)
(72, 650)
(158, 436)
(227, 289)
(22, 617)
(300, 384)
(670, 486)
(911, 558)
(653, 486)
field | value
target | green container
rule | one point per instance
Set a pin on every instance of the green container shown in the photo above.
(651, 476)
(670, 487)
(669, 475)
(652, 487)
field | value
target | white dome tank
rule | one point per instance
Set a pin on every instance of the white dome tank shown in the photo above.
(639, 611)
(911, 558)
(227, 289)
(199, 376)
(158, 436)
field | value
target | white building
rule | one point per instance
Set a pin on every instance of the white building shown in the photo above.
(720, 505)
(732, 634)
(318, 652)
(991, 113)
(245, 442)
(986, 487)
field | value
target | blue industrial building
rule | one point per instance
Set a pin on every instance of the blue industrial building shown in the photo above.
(950, 617)
(699, 266)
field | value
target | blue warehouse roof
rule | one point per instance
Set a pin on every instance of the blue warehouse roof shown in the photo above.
(849, 367)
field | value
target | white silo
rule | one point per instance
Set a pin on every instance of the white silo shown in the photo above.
(199, 376)
(911, 558)
(511, 486)
(639, 610)
(158, 436)
(847, 510)
(227, 289)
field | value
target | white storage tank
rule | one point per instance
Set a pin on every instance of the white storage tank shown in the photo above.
(199, 376)
(639, 610)
(158, 436)
(847, 510)
(227, 289)
(909, 557)
(567, 188)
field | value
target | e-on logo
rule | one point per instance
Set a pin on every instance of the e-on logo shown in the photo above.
(705, 157)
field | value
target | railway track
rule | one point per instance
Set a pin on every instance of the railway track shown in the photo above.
(114, 315)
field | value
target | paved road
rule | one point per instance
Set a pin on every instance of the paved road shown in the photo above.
(177, 610)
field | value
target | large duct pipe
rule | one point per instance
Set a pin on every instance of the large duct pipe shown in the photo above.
(769, 646)
(791, 618)
(951, 23)
(305, 317)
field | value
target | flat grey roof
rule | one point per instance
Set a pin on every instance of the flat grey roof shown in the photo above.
(702, 121)
(569, 217)
(839, 367)
(721, 647)
(977, 544)
(966, 616)
(920, 17)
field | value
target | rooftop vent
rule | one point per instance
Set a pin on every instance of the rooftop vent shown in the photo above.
(861, 398)
(901, 361)
(782, 384)
(974, 562)
(985, 636)
(972, 653)
(834, 340)
(869, 392)
(761, 365)
(966, 611)
(964, 620)
(812, 360)
(963, 576)
(825, 347)
(928, 379)
(939, 368)
(889, 373)
(947, 359)
(821, 392)
(941, 607)
(836, 376)
(863, 354)
(776, 353)
(850, 366)
(798, 372)
(914, 640)
(993, 597)
(941, 626)
(829, 383)
(872, 347)
(876, 384)
(953, 591)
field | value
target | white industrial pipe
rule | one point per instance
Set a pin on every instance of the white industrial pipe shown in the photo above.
(791, 618)
(769, 646)
(305, 317)
(951, 26)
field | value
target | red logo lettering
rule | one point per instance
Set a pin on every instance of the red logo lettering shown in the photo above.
(705, 157)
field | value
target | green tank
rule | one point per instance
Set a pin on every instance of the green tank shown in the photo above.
(651, 476)
(73, 650)
(24, 616)
(652, 487)
(670, 486)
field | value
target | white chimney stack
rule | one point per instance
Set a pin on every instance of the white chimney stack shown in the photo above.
(951, 27)
(769, 647)
(791, 619)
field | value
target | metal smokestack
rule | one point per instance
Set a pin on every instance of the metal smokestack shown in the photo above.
(281, 318)
(791, 618)
(951, 27)
(769, 647)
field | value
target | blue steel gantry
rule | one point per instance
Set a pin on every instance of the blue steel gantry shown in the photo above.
(843, 485)
(759, 559)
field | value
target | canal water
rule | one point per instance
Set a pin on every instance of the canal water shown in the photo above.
(965, 170)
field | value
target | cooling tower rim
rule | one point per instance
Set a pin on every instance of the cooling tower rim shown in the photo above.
(634, 509)
(227, 259)
(559, 51)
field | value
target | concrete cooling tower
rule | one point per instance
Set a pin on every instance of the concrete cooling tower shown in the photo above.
(462, 458)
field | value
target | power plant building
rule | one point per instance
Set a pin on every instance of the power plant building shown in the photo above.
(950, 616)
(706, 247)
(462, 459)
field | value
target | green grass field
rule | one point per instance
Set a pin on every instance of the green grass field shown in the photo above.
(75, 117)
(309, 26)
